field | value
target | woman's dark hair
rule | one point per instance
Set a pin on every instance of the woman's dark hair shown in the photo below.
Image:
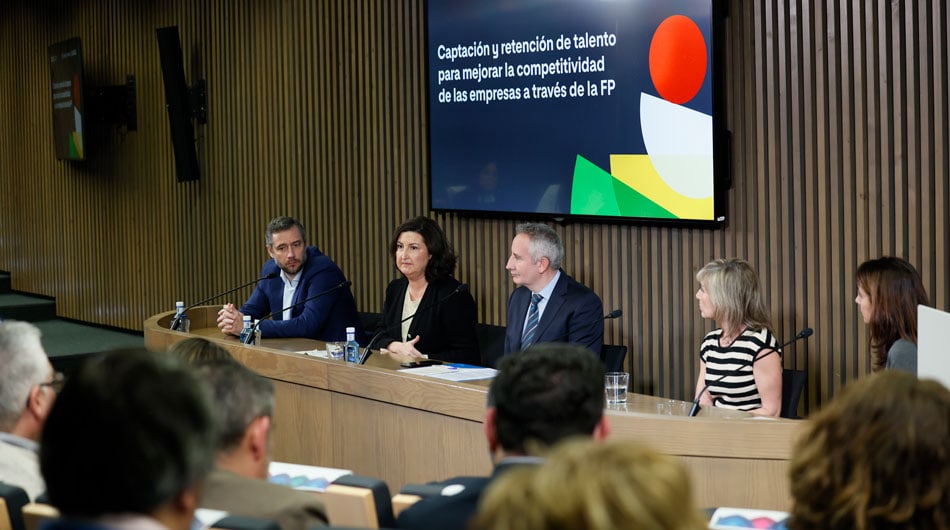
(896, 289)
(442, 262)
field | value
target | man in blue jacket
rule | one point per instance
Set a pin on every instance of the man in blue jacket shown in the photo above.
(548, 393)
(303, 273)
(548, 305)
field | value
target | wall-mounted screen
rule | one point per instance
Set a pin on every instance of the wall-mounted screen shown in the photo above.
(66, 78)
(589, 108)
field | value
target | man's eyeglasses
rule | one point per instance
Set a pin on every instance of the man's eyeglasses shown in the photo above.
(56, 382)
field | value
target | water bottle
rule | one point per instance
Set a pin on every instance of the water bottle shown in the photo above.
(247, 330)
(351, 348)
(181, 318)
(257, 333)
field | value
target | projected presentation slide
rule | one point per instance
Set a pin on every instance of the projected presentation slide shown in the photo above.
(572, 107)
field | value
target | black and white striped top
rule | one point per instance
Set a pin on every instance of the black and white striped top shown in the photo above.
(737, 390)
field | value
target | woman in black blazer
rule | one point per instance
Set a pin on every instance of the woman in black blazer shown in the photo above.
(427, 313)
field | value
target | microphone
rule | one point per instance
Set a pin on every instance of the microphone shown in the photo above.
(176, 322)
(803, 334)
(341, 285)
(367, 351)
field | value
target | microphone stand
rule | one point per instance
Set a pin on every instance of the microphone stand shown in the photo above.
(176, 322)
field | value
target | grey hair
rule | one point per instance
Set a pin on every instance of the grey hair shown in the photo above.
(23, 363)
(240, 397)
(280, 224)
(543, 243)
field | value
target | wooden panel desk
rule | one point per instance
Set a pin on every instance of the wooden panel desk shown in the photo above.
(409, 429)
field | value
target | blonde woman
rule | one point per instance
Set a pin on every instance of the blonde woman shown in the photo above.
(740, 360)
(596, 486)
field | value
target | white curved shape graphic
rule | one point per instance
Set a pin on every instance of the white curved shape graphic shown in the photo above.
(679, 142)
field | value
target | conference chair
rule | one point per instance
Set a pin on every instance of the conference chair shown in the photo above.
(613, 356)
(12, 501)
(793, 383)
(413, 493)
(36, 514)
(491, 342)
(369, 321)
(402, 501)
(358, 501)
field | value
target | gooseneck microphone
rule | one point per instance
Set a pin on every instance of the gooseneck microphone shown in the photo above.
(341, 285)
(176, 322)
(616, 313)
(803, 334)
(367, 351)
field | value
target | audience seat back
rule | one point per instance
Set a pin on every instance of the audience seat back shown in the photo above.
(12, 501)
(36, 514)
(358, 501)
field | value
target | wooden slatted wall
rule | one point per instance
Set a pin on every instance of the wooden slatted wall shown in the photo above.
(838, 113)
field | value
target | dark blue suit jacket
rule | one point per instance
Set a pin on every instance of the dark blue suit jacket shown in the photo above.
(451, 512)
(573, 314)
(325, 318)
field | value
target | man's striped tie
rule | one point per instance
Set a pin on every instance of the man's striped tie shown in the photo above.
(531, 328)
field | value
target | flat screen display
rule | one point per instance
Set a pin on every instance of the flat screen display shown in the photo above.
(587, 108)
(66, 79)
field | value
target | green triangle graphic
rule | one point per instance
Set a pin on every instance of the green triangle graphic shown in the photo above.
(596, 192)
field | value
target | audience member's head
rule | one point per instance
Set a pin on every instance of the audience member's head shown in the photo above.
(244, 406)
(733, 290)
(547, 393)
(581, 484)
(27, 382)
(876, 457)
(889, 290)
(197, 350)
(131, 433)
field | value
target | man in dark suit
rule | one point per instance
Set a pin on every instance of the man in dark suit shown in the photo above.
(548, 305)
(546, 394)
(127, 444)
(238, 483)
(304, 272)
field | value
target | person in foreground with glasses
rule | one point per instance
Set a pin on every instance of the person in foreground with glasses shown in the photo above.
(28, 388)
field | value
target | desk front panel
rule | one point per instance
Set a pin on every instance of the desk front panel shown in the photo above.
(409, 429)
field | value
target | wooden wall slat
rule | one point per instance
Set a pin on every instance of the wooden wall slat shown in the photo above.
(839, 121)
